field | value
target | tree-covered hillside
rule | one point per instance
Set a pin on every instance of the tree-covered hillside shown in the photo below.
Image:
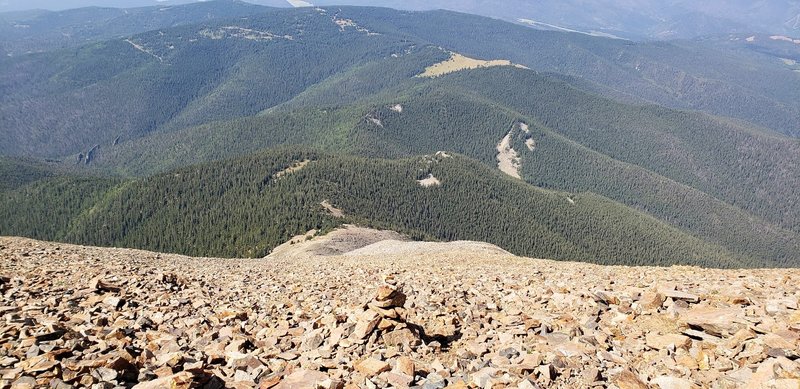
(689, 170)
(38, 30)
(243, 207)
(682, 74)
(165, 80)
(172, 78)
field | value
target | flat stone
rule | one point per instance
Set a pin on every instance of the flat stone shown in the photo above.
(401, 337)
(404, 365)
(678, 295)
(715, 321)
(662, 342)
(371, 367)
(667, 382)
(627, 380)
(182, 380)
(399, 380)
(303, 379)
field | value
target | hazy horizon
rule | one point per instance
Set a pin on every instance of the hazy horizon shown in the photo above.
(633, 19)
(60, 5)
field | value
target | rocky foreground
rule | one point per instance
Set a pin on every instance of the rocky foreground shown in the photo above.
(393, 314)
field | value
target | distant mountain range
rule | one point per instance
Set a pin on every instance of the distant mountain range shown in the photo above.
(638, 19)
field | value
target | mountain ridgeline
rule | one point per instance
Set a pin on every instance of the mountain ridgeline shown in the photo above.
(227, 131)
(245, 207)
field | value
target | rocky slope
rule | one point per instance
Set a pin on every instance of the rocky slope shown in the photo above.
(426, 315)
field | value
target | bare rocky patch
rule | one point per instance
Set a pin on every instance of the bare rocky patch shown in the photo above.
(508, 160)
(340, 241)
(144, 49)
(291, 169)
(530, 144)
(241, 33)
(345, 24)
(429, 181)
(371, 118)
(333, 211)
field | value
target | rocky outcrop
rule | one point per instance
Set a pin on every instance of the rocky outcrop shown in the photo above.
(88, 317)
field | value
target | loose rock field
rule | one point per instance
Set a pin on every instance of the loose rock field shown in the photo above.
(430, 316)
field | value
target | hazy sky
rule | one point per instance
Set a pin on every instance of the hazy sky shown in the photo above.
(18, 5)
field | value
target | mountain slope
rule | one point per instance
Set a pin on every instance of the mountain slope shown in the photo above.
(674, 168)
(244, 207)
(641, 19)
(189, 75)
(39, 30)
(231, 88)
(682, 75)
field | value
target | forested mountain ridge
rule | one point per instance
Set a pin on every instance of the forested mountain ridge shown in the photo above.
(245, 207)
(679, 74)
(209, 72)
(39, 30)
(185, 76)
(642, 19)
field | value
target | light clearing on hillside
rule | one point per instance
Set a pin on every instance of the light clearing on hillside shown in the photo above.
(143, 50)
(335, 212)
(429, 181)
(241, 33)
(458, 62)
(507, 158)
(344, 24)
(291, 169)
(785, 39)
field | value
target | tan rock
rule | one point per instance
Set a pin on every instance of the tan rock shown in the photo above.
(303, 379)
(678, 295)
(716, 321)
(371, 367)
(652, 300)
(399, 380)
(661, 342)
(366, 325)
(628, 380)
(401, 337)
(385, 292)
(667, 382)
(404, 365)
(182, 380)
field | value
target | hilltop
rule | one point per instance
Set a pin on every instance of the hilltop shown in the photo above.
(401, 314)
